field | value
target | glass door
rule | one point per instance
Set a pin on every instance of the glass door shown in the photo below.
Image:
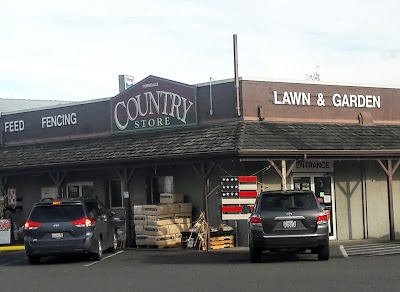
(322, 186)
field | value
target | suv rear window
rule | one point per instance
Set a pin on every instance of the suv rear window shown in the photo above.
(57, 213)
(290, 201)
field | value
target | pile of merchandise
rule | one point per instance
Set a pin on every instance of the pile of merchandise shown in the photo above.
(161, 225)
(222, 237)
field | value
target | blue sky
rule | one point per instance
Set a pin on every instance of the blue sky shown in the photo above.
(75, 50)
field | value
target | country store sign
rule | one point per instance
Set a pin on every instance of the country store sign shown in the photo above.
(154, 103)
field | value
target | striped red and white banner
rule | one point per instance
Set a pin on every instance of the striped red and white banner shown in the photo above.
(237, 192)
(241, 186)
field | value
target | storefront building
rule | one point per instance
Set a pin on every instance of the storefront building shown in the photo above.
(343, 142)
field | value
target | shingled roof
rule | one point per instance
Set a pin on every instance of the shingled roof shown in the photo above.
(212, 141)
(232, 139)
(323, 140)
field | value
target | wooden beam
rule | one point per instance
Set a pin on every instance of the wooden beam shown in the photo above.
(285, 172)
(389, 170)
(204, 173)
(284, 175)
(391, 210)
(396, 166)
(275, 167)
(289, 171)
(383, 167)
(125, 178)
(58, 180)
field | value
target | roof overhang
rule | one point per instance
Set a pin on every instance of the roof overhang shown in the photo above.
(258, 155)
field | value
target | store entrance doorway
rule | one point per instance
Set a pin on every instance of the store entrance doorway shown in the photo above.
(323, 186)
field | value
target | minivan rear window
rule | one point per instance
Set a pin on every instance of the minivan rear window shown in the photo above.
(290, 201)
(57, 213)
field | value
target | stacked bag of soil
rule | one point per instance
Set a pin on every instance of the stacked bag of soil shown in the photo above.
(160, 225)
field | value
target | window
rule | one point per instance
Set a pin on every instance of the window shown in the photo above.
(60, 213)
(80, 189)
(279, 202)
(115, 194)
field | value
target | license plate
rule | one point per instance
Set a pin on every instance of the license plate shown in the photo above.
(289, 224)
(57, 235)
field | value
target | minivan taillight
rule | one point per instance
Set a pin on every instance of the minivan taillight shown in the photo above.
(255, 220)
(29, 225)
(323, 218)
(84, 222)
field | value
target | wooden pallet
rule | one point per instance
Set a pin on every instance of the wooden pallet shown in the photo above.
(178, 245)
(221, 242)
(221, 246)
(221, 238)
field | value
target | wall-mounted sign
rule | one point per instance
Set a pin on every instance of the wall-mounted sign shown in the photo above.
(11, 196)
(336, 99)
(154, 103)
(64, 121)
(314, 166)
(237, 191)
(59, 120)
(5, 231)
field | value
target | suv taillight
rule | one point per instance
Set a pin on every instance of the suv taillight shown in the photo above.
(84, 222)
(323, 217)
(255, 220)
(29, 225)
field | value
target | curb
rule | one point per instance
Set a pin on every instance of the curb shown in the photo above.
(12, 247)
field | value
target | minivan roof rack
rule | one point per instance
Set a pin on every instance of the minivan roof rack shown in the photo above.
(47, 200)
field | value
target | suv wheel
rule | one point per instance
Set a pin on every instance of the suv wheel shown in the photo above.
(323, 253)
(255, 255)
(34, 260)
(99, 254)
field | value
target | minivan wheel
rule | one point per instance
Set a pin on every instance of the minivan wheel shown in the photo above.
(97, 256)
(115, 243)
(34, 260)
(323, 253)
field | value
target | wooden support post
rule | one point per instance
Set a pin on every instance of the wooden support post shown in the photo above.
(204, 175)
(390, 170)
(284, 173)
(58, 179)
(125, 178)
(3, 182)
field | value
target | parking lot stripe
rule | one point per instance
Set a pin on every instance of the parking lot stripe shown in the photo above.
(114, 254)
(343, 251)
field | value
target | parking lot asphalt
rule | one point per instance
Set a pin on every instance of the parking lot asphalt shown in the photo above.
(336, 246)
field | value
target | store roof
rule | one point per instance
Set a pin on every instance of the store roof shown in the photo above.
(12, 105)
(320, 140)
(244, 140)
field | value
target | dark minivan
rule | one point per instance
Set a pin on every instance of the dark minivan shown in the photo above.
(69, 226)
(288, 221)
